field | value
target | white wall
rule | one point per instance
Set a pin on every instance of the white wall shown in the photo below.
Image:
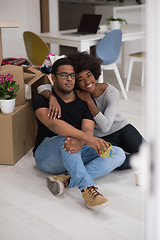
(54, 22)
(53, 15)
(28, 14)
(134, 14)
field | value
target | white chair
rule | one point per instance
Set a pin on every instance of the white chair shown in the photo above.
(108, 50)
(135, 57)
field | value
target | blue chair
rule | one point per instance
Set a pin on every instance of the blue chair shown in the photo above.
(108, 50)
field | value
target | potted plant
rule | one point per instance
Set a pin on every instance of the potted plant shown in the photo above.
(8, 90)
(115, 22)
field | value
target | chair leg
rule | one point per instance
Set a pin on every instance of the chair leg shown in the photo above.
(100, 80)
(120, 81)
(129, 74)
(143, 69)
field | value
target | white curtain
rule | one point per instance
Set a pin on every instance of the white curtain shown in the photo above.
(152, 224)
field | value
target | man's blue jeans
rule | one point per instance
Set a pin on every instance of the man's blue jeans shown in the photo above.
(83, 166)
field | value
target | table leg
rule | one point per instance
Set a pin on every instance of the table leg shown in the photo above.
(1, 51)
(125, 58)
(84, 47)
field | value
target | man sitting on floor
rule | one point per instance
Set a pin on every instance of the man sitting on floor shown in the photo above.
(83, 162)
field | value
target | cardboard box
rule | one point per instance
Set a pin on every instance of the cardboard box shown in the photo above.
(19, 78)
(26, 76)
(33, 78)
(17, 133)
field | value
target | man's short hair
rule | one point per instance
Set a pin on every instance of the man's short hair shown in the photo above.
(60, 62)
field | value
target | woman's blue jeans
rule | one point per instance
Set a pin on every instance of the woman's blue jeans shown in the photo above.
(83, 166)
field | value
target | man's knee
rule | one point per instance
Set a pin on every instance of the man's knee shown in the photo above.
(59, 140)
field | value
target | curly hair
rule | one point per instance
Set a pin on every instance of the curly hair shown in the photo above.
(60, 62)
(85, 61)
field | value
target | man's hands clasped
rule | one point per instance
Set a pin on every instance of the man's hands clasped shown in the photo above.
(73, 145)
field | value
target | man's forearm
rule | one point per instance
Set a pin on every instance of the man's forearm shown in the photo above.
(62, 128)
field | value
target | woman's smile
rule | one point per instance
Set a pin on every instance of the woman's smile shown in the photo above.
(88, 86)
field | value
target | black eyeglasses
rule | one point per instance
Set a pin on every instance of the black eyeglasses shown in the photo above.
(66, 75)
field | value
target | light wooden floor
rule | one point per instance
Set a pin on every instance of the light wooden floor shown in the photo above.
(29, 211)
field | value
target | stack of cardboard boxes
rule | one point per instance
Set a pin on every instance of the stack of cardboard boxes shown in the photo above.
(17, 130)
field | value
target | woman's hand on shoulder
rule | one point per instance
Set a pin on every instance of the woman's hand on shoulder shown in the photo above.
(54, 108)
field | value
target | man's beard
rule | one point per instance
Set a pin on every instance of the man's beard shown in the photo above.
(63, 90)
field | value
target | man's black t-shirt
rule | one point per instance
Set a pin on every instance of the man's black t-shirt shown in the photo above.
(72, 113)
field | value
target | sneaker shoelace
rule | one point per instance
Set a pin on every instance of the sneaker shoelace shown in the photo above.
(93, 191)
